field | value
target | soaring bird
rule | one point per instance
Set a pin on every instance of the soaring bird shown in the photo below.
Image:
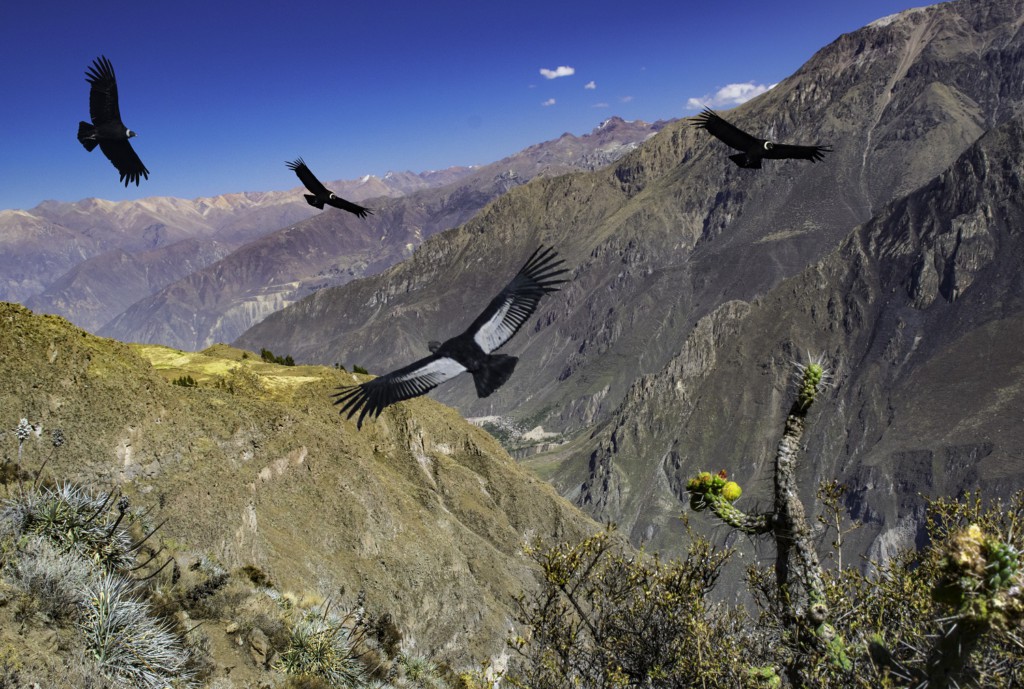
(322, 194)
(754, 149)
(470, 351)
(107, 130)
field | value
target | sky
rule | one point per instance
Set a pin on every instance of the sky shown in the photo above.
(222, 93)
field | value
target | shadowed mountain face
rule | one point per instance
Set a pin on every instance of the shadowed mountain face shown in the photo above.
(675, 249)
(919, 314)
(220, 302)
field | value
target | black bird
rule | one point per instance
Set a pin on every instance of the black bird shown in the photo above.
(322, 194)
(107, 130)
(754, 149)
(470, 351)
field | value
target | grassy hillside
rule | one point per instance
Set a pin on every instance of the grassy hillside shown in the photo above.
(253, 468)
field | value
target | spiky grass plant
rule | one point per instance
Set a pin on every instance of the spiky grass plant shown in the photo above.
(73, 518)
(55, 579)
(416, 671)
(130, 646)
(322, 644)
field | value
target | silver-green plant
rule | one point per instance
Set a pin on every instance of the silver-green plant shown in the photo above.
(129, 644)
(323, 644)
(73, 518)
(56, 579)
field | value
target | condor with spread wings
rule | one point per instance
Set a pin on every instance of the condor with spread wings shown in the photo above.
(754, 149)
(107, 130)
(322, 194)
(470, 351)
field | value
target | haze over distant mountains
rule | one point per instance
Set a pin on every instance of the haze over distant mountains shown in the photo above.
(93, 261)
(696, 284)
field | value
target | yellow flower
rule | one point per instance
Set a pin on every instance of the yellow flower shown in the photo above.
(731, 491)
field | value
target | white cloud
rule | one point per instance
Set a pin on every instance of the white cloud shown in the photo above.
(600, 105)
(626, 99)
(729, 95)
(590, 85)
(562, 71)
(548, 102)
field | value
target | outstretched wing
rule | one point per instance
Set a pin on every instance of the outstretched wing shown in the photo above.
(345, 205)
(125, 159)
(722, 130)
(412, 381)
(811, 153)
(516, 303)
(308, 178)
(103, 106)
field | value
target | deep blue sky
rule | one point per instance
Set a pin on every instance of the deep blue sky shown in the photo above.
(223, 93)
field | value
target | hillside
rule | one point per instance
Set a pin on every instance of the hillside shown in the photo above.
(672, 243)
(424, 512)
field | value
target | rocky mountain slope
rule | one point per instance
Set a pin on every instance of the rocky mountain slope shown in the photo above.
(424, 512)
(918, 314)
(219, 303)
(673, 242)
(54, 253)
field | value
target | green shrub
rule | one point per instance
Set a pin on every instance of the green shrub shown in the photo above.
(129, 645)
(322, 645)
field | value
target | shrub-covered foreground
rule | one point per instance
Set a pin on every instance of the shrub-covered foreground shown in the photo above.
(81, 570)
(950, 615)
(84, 581)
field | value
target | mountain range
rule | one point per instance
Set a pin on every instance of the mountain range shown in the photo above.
(696, 288)
(188, 273)
(644, 362)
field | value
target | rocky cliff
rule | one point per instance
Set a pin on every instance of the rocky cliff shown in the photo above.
(673, 244)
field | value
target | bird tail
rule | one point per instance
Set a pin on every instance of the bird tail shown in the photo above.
(741, 160)
(496, 370)
(312, 200)
(87, 135)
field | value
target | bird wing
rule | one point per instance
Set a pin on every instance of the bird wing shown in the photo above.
(345, 205)
(722, 130)
(411, 381)
(307, 178)
(811, 153)
(125, 159)
(103, 106)
(516, 303)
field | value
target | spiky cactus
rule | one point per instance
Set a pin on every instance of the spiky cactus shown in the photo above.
(797, 569)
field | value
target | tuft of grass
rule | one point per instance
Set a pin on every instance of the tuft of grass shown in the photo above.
(130, 646)
(322, 645)
(73, 519)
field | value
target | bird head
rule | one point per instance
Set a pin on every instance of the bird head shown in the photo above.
(131, 134)
(768, 145)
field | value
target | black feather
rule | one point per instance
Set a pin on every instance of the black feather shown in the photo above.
(469, 351)
(107, 130)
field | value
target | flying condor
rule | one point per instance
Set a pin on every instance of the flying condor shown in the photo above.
(471, 351)
(107, 130)
(321, 194)
(754, 149)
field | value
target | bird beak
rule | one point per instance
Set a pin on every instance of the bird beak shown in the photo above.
(131, 133)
